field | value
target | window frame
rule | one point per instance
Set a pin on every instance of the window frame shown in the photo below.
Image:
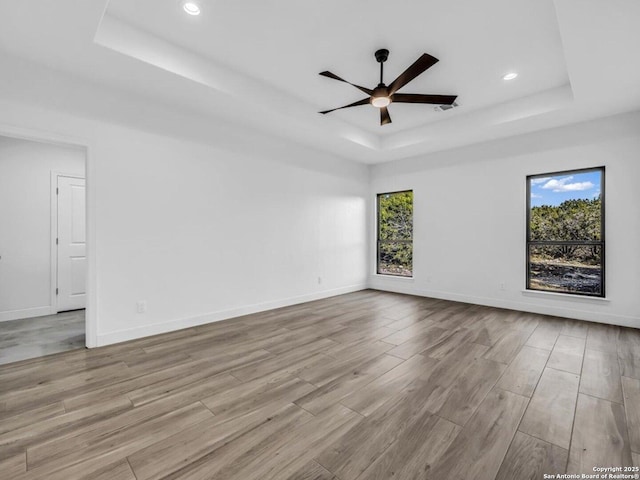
(601, 243)
(379, 241)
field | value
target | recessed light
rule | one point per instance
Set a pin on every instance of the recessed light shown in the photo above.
(191, 8)
(510, 76)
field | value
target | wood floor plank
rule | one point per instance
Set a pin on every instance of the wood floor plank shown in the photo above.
(545, 335)
(373, 395)
(93, 469)
(17, 440)
(206, 374)
(600, 436)
(355, 334)
(409, 320)
(478, 450)
(288, 362)
(239, 400)
(30, 417)
(567, 354)
(280, 456)
(139, 381)
(443, 377)
(17, 376)
(18, 401)
(345, 385)
(422, 341)
(14, 465)
(469, 390)
(601, 375)
(312, 471)
(549, 415)
(448, 343)
(529, 458)
(523, 373)
(359, 447)
(117, 471)
(398, 337)
(602, 337)
(116, 444)
(636, 459)
(412, 455)
(569, 344)
(630, 363)
(574, 328)
(489, 329)
(303, 336)
(629, 352)
(182, 455)
(327, 370)
(508, 346)
(631, 389)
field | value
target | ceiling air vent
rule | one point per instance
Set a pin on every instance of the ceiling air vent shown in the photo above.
(444, 108)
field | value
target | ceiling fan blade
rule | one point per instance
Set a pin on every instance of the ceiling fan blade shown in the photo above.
(384, 116)
(425, 62)
(364, 101)
(335, 77)
(417, 98)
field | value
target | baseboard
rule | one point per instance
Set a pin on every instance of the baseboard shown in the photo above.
(155, 329)
(26, 313)
(544, 309)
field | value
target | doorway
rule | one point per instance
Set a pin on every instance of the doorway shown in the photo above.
(43, 262)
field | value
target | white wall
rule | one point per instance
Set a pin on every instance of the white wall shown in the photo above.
(194, 230)
(199, 218)
(469, 218)
(25, 222)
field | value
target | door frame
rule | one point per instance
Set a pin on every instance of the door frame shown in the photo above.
(54, 235)
(43, 136)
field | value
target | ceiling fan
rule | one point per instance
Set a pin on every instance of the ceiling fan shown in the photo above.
(383, 95)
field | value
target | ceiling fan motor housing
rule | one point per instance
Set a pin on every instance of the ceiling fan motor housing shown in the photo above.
(382, 55)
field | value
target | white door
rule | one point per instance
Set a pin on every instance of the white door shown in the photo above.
(72, 260)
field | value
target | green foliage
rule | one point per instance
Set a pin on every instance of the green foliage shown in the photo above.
(572, 220)
(395, 216)
(395, 222)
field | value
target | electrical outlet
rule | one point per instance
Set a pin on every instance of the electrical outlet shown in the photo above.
(141, 306)
(501, 286)
(319, 280)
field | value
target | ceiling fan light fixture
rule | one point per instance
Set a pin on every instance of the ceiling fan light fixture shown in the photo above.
(380, 102)
(509, 76)
(191, 8)
(383, 95)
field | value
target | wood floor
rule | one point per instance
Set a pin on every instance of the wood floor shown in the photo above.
(39, 336)
(369, 385)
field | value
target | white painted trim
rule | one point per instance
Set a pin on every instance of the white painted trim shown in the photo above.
(382, 276)
(91, 317)
(558, 311)
(53, 250)
(564, 296)
(172, 325)
(25, 313)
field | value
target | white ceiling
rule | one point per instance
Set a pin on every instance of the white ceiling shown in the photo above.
(257, 62)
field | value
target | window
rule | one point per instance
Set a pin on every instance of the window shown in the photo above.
(395, 234)
(565, 232)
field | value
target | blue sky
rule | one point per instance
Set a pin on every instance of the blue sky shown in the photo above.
(555, 189)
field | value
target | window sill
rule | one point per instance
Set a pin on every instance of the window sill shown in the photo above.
(568, 296)
(395, 277)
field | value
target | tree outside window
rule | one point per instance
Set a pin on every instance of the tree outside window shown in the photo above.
(395, 234)
(565, 232)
